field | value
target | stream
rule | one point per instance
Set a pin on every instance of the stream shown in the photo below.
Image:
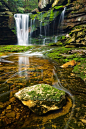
(20, 70)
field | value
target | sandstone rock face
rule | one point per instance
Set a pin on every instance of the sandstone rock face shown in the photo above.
(43, 4)
(75, 23)
(42, 98)
(75, 14)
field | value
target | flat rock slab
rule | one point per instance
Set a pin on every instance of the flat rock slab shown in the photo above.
(42, 98)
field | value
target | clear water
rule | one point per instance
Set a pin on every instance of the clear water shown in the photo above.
(26, 70)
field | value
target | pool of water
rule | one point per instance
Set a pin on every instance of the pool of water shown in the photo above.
(21, 70)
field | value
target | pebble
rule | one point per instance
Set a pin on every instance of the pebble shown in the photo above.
(11, 114)
(9, 107)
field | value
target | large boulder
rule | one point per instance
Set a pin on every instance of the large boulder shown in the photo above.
(42, 98)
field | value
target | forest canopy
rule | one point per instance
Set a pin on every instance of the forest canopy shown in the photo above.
(21, 6)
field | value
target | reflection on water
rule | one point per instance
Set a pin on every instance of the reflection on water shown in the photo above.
(28, 71)
(23, 64)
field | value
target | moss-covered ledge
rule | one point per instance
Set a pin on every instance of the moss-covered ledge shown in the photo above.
(63, 54)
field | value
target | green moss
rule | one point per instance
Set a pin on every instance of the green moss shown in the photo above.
(51, 15)
(58, 7)
(60, 52)
(80, 69)
(14, 48)
(47, 93)
(1, 54)
(46, 16)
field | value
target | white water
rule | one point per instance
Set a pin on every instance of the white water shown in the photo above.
(61, 20)
(23, 65)
(56, 39)
(62, 17)
(22, 28)
(41, 26)
(25, 27)
(62, 14)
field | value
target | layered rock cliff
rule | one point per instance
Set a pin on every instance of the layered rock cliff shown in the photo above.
(6, 25)
(74, 22)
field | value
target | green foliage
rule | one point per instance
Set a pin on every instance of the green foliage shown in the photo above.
(0, 4)
(30, 5)
(14, 5)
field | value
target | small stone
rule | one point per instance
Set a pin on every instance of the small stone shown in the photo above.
(67, 35)
(1, 105)
(17, 115)
(9, 107)
(72, 74)
(83, 120)
(11, 114)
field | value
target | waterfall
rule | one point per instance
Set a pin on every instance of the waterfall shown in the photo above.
(56, 39)
(60, 24)
(22, 26)
(31, 29)
(62, 15)
(25, 26)
(62, 18)
(41, 26)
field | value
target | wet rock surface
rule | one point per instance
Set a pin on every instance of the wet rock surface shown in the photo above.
(41, 98)
(69, 64)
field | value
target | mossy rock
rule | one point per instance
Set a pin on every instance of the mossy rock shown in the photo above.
(42, 98)
(69, 46)
(46, 16)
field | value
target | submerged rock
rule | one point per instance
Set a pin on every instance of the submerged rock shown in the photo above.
(42, 98)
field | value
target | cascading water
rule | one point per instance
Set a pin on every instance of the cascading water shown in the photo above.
(56, 39)
(62, 18)
(60, 23)
(31, 29)
(41, 26)
(26, 25)
(22, 28)
(62, 15)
